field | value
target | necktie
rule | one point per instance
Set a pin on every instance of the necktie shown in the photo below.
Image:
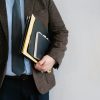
(17, 58)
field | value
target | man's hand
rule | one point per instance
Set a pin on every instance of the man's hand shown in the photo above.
(45, 64)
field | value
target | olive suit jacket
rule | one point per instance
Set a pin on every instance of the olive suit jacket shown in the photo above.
(47, 12)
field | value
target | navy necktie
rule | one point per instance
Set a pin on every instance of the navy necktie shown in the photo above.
(17, 58)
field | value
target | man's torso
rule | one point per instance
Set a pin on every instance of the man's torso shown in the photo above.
(39, 9)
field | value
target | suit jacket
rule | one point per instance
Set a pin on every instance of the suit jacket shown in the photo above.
(47, 12)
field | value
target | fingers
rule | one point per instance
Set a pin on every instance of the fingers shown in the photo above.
(39, 67)
(42, 61)
(43, 68)
(45, 64)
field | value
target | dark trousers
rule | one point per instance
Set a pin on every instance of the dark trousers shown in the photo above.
(18, 89)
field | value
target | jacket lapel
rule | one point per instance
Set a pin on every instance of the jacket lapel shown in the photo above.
(3, 17)
(29, 7)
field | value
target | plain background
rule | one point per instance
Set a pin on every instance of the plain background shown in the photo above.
(78, 77)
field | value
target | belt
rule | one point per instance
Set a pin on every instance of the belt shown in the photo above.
(21, 77)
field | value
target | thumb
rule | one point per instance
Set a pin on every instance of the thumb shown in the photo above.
(42, 61)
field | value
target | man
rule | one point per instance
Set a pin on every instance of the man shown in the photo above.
(28, 81)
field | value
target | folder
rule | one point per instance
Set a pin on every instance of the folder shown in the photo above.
(36, 40)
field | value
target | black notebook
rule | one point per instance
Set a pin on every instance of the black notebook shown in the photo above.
(41, 45)
(36, 39)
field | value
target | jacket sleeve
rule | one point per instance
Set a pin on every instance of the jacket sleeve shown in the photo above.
(59, 34)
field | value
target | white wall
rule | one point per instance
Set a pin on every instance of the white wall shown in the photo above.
(79, 75)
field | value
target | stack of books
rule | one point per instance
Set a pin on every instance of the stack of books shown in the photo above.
(35, 41)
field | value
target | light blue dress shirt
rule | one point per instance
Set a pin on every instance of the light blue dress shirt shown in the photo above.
(9, 5)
